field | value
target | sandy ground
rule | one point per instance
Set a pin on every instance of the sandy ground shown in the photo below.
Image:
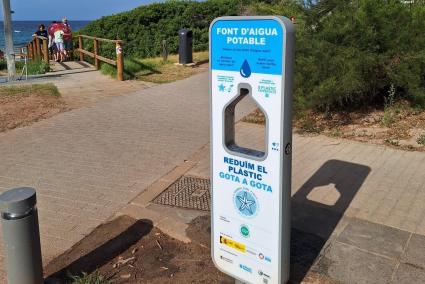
(25, 108)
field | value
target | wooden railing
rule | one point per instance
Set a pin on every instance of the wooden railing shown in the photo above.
(118, 62)
(38, 48)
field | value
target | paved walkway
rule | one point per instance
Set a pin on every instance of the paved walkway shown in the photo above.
(89, 162)
(357, 209)
(375, 183)
(81, 85)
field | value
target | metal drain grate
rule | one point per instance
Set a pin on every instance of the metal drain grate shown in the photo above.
(187, 192)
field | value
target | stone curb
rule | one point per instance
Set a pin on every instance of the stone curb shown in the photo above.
(138, 207)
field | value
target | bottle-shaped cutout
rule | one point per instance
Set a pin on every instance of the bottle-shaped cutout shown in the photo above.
(255, 148)
(245, 69)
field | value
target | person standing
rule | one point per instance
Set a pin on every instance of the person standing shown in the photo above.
(52, 48)
(67, 36)
(41, 31)
(52, 45)
(59, 41)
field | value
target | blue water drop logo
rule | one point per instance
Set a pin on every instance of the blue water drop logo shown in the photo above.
(245, 69)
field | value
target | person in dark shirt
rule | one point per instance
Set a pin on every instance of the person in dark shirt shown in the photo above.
(41, 31)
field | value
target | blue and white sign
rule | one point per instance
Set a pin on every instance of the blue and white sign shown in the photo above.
(247, 46)
(251, 56)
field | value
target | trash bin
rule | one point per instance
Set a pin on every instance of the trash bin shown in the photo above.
(21, 237)
(185, 46)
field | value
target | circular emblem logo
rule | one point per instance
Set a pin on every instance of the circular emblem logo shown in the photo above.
(244, 231)
(246, 203)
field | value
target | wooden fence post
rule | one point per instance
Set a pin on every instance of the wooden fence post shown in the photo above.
(46, 50)
(71, 51)
(34, 48)
(37, 42)
(96, 51)
(120, 61)
(164, 50)
(30, 51)
(80, 47)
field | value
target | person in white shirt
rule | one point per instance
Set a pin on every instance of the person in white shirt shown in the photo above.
(60, 45)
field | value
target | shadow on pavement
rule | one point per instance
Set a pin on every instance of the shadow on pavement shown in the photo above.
(83, 64)
(109, 241)
(314, 222)
(65, 66)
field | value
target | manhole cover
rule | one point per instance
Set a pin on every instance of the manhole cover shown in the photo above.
(187, 192)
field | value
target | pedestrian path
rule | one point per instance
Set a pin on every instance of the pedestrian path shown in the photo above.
(89, 162)
(80, 84)
(375, 183)
(357, 209)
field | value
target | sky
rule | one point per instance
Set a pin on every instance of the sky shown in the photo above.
(72, 9)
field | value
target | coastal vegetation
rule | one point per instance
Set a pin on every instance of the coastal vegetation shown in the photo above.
(35, 67)
(350, 54)
(143, 29)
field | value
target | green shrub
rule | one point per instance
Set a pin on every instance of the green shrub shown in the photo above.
(392, 142)
(3, 64)
(349, 54)
(93, 278)
(132, 68)
(307, 123)
(35, 67)
(337, 132)
(421, 140)
(143, 29)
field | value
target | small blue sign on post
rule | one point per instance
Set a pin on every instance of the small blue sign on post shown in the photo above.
(251, 189)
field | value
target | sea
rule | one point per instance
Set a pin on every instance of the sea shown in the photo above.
(23, 30)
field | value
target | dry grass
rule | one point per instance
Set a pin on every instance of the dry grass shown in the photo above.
(165, 72)
(27, 90)
(23, 105)
(397, 125)
(156, 70)
(255, 117)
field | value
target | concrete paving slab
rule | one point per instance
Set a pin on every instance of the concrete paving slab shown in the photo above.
(415, 251)
(316, 220)
(305, 252)
(174, 229)
(348, 205)
(375, 238)
(95, 160)
(180, 214)
(349, 264)
(409, 274)
(92, 161)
